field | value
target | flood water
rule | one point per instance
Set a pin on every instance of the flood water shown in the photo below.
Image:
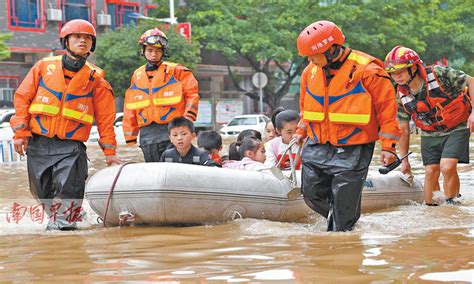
(407, 244)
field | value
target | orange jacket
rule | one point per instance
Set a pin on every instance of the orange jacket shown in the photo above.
(172, 92)
(357, 107)
(436, 110)
(46, 105)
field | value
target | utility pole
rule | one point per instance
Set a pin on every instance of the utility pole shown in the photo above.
(172, 18)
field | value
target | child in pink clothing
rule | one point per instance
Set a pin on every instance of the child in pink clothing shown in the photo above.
(252, 152)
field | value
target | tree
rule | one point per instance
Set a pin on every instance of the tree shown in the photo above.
(259, 31)
(264, 32)
(119, 54)
(4, 49)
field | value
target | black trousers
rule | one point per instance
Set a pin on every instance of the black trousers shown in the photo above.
(57, 173)
(153, 152)
(333, 179)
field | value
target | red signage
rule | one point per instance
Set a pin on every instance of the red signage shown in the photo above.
(183, 29)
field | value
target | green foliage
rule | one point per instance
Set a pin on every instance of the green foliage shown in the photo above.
(118, 53)
(4, 49)
(260, 31)
(264, 32)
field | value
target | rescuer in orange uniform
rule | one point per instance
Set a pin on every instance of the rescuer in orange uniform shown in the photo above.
(347, 102)
(159, 91)
(55, 107)
(437, 100)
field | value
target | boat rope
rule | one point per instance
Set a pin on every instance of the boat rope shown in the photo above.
(112, 190)
(126, 217)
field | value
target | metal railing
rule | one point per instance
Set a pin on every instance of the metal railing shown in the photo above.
(7, 152)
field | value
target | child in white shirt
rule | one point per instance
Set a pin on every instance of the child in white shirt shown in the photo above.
(286, 123)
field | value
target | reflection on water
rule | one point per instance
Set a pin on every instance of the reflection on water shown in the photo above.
(411, 243)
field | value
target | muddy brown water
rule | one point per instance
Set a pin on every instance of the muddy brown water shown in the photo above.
(408, 244)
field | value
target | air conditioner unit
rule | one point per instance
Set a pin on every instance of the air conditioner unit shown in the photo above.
(104, 20)
(54, 15)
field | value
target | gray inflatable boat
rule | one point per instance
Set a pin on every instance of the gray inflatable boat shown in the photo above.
(181, 194)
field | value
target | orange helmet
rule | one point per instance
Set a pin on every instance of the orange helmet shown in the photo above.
(154, 37)
(78, 26)
(400, 58)
(318, 38)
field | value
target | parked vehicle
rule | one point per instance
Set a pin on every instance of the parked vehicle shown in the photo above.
(6, 133)
(94, 136)
(242, 122)
(5, 116)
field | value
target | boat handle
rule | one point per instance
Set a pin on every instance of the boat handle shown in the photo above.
(294, 162)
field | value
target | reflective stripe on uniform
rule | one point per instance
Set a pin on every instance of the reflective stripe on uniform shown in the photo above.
(313, 115)
(107, 146)
(18, 127)
(42, 108)
(167, 101)
(82, 116)
(349, 117)
(389, 136)
(138, 105)
(128, 133)
(359, 58)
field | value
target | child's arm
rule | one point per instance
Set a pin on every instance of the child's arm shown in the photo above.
(270, 158)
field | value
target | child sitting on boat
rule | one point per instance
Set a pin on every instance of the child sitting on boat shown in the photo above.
(211, 141)
(252, 152)
(286, 123)
(271, 133)
(233, 147)
(181, 133)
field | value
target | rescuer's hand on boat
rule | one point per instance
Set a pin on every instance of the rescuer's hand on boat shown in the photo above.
(405, 167)
(113, 160)
(299, 138)
(387, 157)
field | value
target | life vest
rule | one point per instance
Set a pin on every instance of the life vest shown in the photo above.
(159, 100)
(435, 109)
(65, 111)
(341, 113)
(216, 158)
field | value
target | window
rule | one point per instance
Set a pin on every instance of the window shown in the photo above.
(8, 85)
(243, 121)
(76, 9)
(25, 14)
(120, 13)
(150, 9)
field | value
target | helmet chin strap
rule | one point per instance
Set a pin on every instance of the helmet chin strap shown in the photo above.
(73, 61)
(412, 77)
(331, 64)
(331, 55)
(152, 65)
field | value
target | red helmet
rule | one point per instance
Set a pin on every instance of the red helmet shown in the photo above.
(400, 58)
(78, 26)
(318, 38)
(154, 37)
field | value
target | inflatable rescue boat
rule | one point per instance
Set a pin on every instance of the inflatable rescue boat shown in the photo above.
(181, 194)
